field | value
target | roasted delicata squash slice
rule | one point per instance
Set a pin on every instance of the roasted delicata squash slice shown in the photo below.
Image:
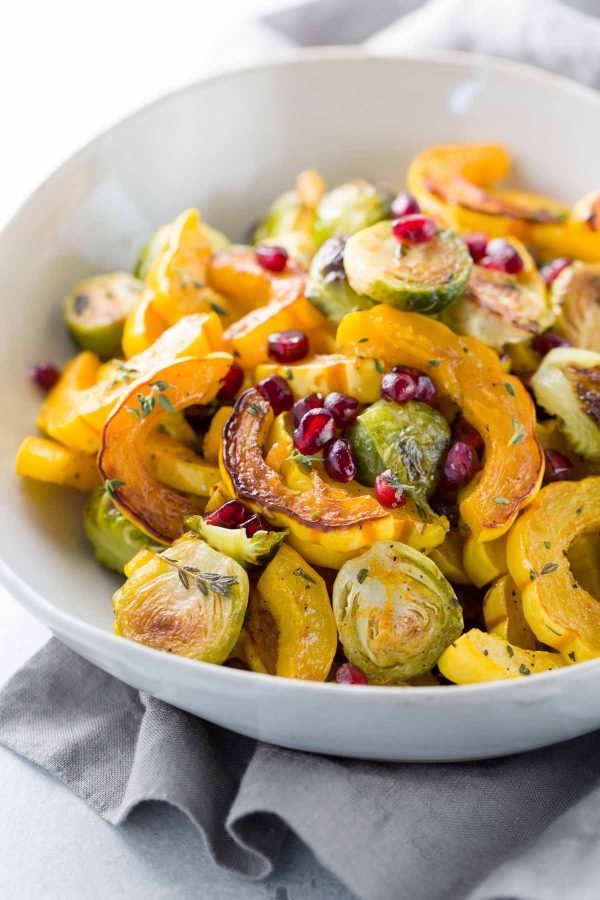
(289, 221)
(96, 310)
(142, 326)
(469, 375)
(499, 308)
(503, 614)
(454, 183)
(484, 562)
(324, 374)
(567, 385)
(77, 408)
(448, 557)
(325, 515)
(177, 273)
(290, 629)
(425, 277)
(476, 656)
(395, 612)
(189, 600)
(578, 236)
(576, 294)
(175, 464)
(47, 460)
(157, 510)
(560, 611)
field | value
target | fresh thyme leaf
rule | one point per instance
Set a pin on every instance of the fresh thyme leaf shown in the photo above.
(204, 581)
(133, 412)
(532, 575)
(362, 340)
(184, 578)
(256, 409)
(571, 655)
(549, 567)
(216, 307)
(379, 366)
(147, 404)
(289, 374)
(518, 433)
(510, 650)
(111, 485)
(547, 545)
(433, 362)
(302, 574)
(501, 501)
(166, 403)
(162, 386)
(363, 573)
(303, 460)
(509, 388)
(524, 670)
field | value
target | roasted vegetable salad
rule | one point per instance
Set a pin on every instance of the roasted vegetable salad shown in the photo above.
(365, 448)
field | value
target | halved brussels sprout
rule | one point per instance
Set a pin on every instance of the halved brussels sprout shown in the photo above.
(576, 292)
(410, 439)
(423, 278)
(328, 286)
(567, 385)
(188, 600)
(289, 221)
(280, 218)
(349, 208)
(498, 308)
(395, 612)
(114, 538)
(96, 309)
(234, 542)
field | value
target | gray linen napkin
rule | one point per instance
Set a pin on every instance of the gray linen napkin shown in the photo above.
(525, 827)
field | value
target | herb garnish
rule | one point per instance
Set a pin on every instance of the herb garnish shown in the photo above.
(524, 670)
(549, 567)
(532, 575)
(302, 574)
(518, 433)
(379, 366)
(111, 486)
(411, 490)
(363, 573)
(255, 408)
(216, 307)
(433, 362)
(510, 650)
(509, 388)
(547, 545)
(204, 581)
(126, 373)
(501, 501)
(305, 461)
(362, 340)
(148, 401)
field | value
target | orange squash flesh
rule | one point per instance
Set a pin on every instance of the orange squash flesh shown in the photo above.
(325, 514)
(468, 374)
(560, 611)
(153, 507)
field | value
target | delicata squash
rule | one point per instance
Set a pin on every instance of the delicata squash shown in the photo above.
(469, 375)
(155, 509)
(560, 611)
(308, 441)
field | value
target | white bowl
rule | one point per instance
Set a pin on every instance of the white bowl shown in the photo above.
(229, 145)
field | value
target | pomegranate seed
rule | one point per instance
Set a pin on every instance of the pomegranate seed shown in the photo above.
(386, 493)
(460, 466)
(551, 271)
(502, 257)
(253, 524)
(349, 674)
(45, 375)
(311, 401)
(231, 383)
(343, 408)
(339, 460)
(316, 427)
(231, 515)
(287, 346)
(425, 391)
(558, 466)
(277, 391)
(404, 205)
(465, 432)
(399, 386)
(445, 507)
(274, 259)
(476, 243)
(548, 341)
(415, 229)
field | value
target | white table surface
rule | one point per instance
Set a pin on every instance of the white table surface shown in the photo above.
(68, 70)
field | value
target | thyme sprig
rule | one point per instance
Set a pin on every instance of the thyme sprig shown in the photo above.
(205, 581)
(303, 460)
(123, 376)
(148, 401)
(413, 491)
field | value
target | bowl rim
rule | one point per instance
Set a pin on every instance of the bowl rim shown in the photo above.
(65, 623)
